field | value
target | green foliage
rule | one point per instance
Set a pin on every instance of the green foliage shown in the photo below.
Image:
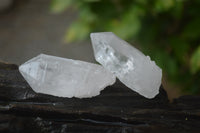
(77, 31)
(58, 6)
(167, 30)
(195, 61)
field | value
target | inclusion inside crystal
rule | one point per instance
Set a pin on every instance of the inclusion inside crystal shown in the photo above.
(131, 66)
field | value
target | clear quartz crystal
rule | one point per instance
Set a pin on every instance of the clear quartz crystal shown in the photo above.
(65, 77)
(131, 66)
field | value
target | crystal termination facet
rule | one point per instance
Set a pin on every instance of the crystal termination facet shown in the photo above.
(65, 77)
(131, 66)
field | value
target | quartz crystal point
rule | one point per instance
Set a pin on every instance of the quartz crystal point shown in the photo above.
(131, 66)
(65, 77)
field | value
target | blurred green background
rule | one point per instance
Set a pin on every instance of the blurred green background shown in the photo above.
(167, 30)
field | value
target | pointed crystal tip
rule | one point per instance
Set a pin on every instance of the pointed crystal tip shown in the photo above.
(65, 77)
(131, 66)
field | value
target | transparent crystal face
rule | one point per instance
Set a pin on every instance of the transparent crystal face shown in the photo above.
(131, 66)
(65, 77)
(113, 60)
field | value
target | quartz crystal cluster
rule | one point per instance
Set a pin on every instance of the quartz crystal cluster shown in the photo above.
(131, 66)
(72, 78)
(65, 77)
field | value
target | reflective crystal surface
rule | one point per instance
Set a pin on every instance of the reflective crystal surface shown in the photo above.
(65, 77)
(131, 66)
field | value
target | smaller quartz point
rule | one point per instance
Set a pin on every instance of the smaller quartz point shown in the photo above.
(65, 77)
(131, 66)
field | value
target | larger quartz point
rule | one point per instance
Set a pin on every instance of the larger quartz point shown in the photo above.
(65, 77)
(131, 66)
